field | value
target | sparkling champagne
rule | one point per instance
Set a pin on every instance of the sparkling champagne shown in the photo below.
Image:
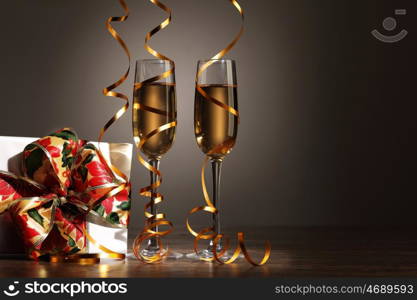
(160, 99)
(215, 128)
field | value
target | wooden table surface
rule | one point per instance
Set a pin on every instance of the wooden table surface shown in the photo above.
(297, 252)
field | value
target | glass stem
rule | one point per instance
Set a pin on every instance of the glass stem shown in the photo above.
(216, 165)
(154, 162)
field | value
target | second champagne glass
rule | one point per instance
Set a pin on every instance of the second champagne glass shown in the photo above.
(215, 127)
(157, 102)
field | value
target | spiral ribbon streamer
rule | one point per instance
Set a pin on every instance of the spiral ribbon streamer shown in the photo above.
(159, 219)
(108, 91)
(209, 232)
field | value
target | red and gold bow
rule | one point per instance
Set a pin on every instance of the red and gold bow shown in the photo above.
(65, 179)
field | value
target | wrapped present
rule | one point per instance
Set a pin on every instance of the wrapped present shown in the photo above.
(63, 196)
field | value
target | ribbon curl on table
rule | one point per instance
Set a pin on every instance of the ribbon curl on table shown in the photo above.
(159, 219)
(65, 179)
(209, 232)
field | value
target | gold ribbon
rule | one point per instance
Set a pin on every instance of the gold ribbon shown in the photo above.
(209, 232)
(159, 219)
(108, 91)
(82, 259)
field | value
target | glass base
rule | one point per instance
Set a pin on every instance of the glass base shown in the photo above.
(150, 252)
(208, 254)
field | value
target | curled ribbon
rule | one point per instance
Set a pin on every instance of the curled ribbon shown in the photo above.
(108, 91)
(159, 219)
(209, 232)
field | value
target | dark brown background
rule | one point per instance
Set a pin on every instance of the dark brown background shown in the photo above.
(328, 131)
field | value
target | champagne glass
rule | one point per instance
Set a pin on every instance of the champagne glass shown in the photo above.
(215, 127)
(157, 101)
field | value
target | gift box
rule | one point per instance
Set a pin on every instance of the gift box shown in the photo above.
(98, 227)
